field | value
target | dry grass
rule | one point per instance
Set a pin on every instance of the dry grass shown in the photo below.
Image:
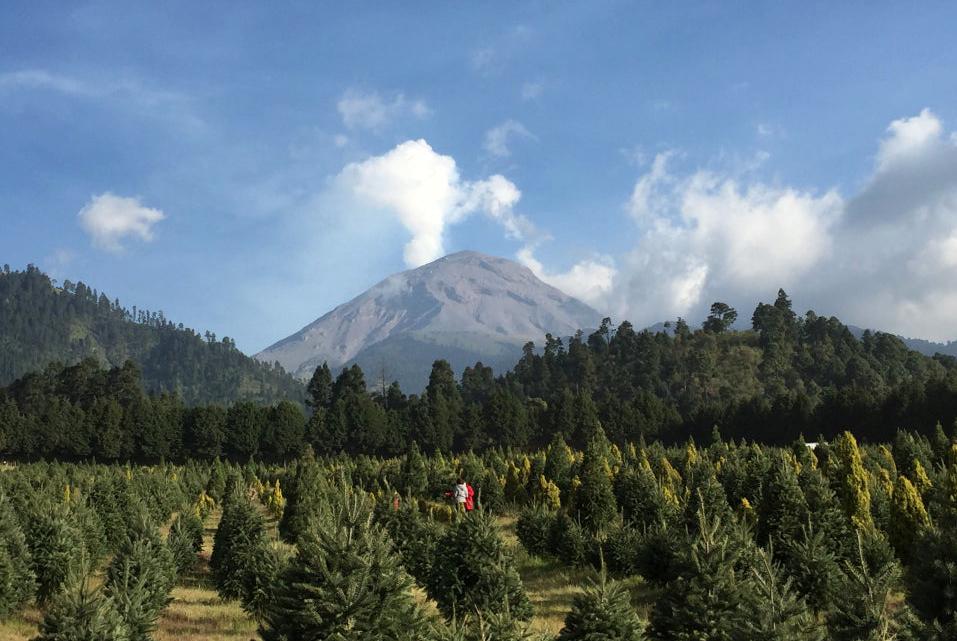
(197, 612)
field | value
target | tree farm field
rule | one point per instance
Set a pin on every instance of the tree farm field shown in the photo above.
(197, 612)
(643, 541)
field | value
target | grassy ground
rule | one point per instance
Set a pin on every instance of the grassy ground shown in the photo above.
(198, 613)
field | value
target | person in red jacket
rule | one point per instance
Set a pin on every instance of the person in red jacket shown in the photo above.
(470, 498)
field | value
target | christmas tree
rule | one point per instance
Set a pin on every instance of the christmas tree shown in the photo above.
(55, 544)
(603, 612)
(475, 571)
(708, 598)
(345, 582)
(241, 527)
(139, 580)
(82, 613)
(17, 582)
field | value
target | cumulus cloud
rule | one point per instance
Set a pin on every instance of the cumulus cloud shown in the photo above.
(369, 110)
(706, 231)
(588, 280)
(497, 138)
(423, 190)
(898, 262)
(886, 257)
(110, 219)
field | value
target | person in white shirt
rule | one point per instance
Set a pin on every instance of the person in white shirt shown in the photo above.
(460, 494)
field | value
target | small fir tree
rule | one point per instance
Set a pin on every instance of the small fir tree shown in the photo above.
(813, 566)
(475, 571)
(851, 478)
(345, 583)
(778, 612)
(17, 582)
(55, 545)
(82, 613)
(594, 500)
(603, 612)
(908, 518)
(139, 581)
(865, 609)
(304, 496)
(242, 529)
(180, 543)
(708, 599)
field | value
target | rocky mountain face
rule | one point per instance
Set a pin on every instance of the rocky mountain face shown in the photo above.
(465, 307)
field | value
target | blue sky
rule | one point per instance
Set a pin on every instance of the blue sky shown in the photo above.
(245, 168)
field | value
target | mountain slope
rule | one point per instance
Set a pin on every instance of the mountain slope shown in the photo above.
(40, 323)
(464, 307)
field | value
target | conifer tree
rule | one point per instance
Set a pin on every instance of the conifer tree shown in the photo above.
(778, 613)
(55, 545)
(242, 529)
(181, 545)
(865, 608)
(559, 461)
(490, 626)
(851, 477)
(17, 582)
(932, 580)
(783, 508)
(475, 571)
(813, 566)
(908, 518)
(707, 600)
(639, 496)
(594, 501)
(603, 612)
(414, 538)
(82, 613)
(303, 497)
(533, 529)
(345, 583)
(139, 581)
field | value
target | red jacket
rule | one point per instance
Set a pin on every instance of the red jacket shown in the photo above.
(470, 499)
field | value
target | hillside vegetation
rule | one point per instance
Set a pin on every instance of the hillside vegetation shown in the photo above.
(41, 323)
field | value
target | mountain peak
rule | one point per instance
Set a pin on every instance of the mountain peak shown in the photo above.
(469, 304)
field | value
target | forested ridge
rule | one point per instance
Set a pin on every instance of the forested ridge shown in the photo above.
(41, 323)
(788, 376)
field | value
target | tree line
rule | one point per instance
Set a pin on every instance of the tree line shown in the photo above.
(785, 377)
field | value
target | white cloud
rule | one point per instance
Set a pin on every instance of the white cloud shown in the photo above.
(127, 93)
(110, 219)
(532, 89)
(588, 280)
(368, 110)
(497, 138)
(706, 231)
(41, 79)
(423, 190)
(909, 138)
(884, 258)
